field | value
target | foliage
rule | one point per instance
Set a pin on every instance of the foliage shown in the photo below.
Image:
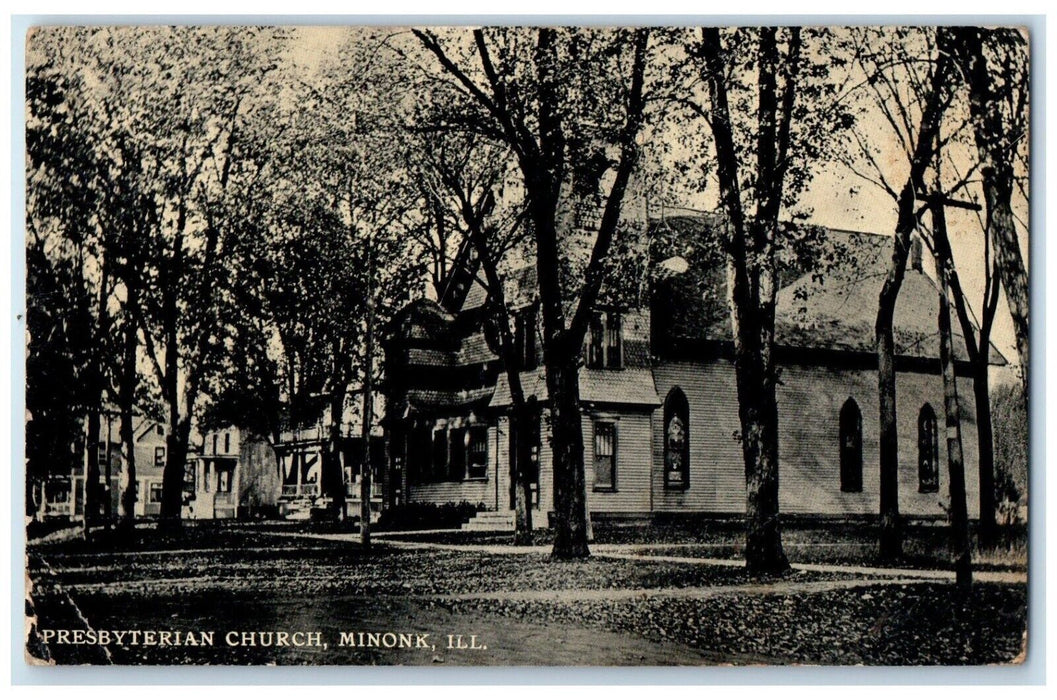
(1009, 414)
(427, 516)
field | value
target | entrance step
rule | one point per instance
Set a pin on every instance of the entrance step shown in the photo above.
(501, 521)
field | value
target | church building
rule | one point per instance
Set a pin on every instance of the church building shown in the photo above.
(658, 392)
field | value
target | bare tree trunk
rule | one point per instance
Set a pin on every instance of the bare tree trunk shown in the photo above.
(91, 471)
(177, 442)
(995, 142)
(758, 409)
(570, 488)
(891, 539)
(750, 252)
(959, 515)
(333, 475)
(368, 407)
(1011, 265)
(978, 350)
(986, 444)
(521, 428)
(128, 438)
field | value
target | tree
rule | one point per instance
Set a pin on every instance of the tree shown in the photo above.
(994, 64)
(769, 108)
(569, 103)
(908, 78)
(464, 176)
(73, 229)
(978, 349)
(182, 95)
(324, 252)
(959, 515)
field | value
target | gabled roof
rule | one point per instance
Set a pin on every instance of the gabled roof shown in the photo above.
(827, 299)
(837, 309)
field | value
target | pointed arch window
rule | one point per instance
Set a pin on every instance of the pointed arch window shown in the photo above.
(928, 451)
(676, 440)
(850, 447)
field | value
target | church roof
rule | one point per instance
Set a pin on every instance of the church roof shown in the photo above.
(829, 281)
(827, 298)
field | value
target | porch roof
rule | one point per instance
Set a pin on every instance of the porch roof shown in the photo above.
(630, 386)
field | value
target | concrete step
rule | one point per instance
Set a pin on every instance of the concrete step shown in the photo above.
(501, 521)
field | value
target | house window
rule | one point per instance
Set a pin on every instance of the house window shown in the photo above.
(676, 440)
(440, 455)
(227, 443)
(850, 447)
(605, 455)
(418, 455)
(525, 337)
(159, 430)
(159, 456)
(155, 492)
(928, 451)
(595, 355)
(478, 467)
(613, 345)
(604, 347)
(457, 460)
(215, 438)
(223, 481)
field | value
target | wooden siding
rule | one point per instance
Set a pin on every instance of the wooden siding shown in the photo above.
(809, 402)
(717, 473)
(477, 491)
(810, 399)
(632, 483)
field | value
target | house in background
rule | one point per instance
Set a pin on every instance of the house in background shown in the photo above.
(211, 479)
(63, 496)
(658, 391)
(299, 455)
(151, 455)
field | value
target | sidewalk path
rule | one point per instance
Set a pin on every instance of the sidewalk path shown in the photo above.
(695, 592)
(633, 552)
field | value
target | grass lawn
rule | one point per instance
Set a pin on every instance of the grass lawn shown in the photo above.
(601, 611)
(925, 545)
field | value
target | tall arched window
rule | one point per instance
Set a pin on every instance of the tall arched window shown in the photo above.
(676, 440)
(928, 451)
(850, 447)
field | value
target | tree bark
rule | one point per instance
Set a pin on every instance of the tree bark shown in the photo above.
(91, 471)
(129, 378)
(750, 252)
(758, 411)
(333, 475)
(542, 158)
(995, 142)
(570, 488)
(986, 443)
(978, 350)
(524, 421)
(959, 516)
(177, 442)
(368, 407)
(890, 538)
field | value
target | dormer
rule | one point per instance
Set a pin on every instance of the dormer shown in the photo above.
(605, 341)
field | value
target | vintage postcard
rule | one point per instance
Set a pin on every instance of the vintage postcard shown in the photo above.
(505, 346)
